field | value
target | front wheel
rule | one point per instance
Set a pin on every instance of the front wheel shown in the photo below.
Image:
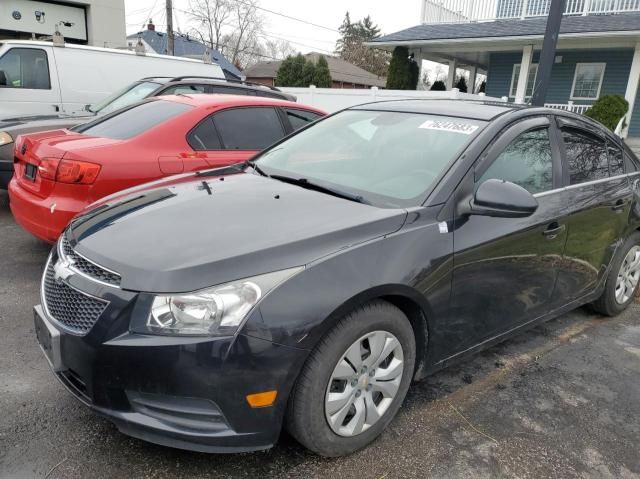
(623, 278)
(354, 381)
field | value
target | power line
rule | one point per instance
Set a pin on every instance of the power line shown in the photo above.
(286, 16)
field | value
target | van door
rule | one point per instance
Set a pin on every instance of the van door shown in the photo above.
(28, 81)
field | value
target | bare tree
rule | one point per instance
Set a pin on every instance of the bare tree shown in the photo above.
(244, 42)
(278, 49)
(211, 17)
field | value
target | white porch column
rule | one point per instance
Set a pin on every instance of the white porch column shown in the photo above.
(451, 76)
(473, 72)
(632, 86)
(525, 63)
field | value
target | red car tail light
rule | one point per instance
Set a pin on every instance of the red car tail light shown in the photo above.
(68, 171)
(48, 168)
(79, 172)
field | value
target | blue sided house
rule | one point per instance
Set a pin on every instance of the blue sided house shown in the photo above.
(183, 46)
(598, 50)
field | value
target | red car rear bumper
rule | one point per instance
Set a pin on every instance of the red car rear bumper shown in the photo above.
(35, 214)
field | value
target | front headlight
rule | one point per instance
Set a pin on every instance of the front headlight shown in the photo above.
(5, 138)
(216, 311)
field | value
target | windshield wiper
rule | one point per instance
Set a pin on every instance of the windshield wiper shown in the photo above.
(305, 183)
(253, 165)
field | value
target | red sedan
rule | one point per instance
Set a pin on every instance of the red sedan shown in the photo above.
(58, 173)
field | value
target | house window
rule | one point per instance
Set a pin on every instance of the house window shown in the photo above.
(587, 81)
(531, 80)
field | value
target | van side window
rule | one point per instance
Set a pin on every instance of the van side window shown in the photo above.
(25, 68)
(586, 156)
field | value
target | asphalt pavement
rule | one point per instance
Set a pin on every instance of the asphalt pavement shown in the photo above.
(559, 401)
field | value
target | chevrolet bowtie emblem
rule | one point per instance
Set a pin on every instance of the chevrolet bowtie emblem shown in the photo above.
(62, 270)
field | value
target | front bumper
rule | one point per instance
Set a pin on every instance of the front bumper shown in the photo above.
(188, 393)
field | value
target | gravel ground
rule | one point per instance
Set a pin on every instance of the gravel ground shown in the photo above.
(562, 400)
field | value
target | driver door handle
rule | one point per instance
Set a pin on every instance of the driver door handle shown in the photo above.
(553, 230)
(618, 205)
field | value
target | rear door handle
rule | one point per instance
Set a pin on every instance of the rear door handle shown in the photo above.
(618, 205)
(553, 230)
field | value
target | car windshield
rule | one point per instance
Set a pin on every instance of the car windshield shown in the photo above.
(383, 158)
(125, 97)
(134, 120)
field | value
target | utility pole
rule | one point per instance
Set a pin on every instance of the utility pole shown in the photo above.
(548, 54)
(170, 49)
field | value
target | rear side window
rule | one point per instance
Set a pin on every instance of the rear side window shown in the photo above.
(248, 128)
(229, 90)
(616, 160)
(25, 68)
(135, 120)
(300, 118)
(586, 156)
(527, 162)
(204, 137)
(184, 90)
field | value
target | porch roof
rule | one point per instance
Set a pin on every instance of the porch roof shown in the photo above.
(530, 27)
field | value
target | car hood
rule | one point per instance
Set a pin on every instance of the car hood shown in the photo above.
(205, 231)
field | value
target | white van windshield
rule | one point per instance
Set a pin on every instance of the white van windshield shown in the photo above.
(125, 97)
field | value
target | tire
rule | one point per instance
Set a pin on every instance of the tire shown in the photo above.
(307, 418)
(608, 304)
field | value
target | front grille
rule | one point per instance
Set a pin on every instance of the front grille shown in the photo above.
(74, 310)
(86, 267)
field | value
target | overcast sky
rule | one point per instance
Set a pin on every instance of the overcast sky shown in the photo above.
(391, 16)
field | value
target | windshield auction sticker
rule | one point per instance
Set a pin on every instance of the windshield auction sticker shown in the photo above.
(449, 125)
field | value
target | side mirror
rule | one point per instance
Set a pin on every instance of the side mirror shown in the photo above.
(3, 78)
(502, 199)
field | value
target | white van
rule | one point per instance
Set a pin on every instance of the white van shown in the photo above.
(40, 78)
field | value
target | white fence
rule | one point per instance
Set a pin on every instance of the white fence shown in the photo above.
(334, 99)
(462, 11)
(569, 107)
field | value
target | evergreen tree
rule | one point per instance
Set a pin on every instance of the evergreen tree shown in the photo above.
(462, 85)
(285, 72)
(438, 85)
(297, 71)
(308, 73)
(322, 75)
(400, 76)
(351, 45)
(483, 87)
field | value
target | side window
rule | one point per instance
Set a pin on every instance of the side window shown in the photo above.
(586, 156)
(527, 162)
(184, 90)
(300, 118)
(616, 159)
(204, 136)
(630, 164)
(25, 68)
(248, 128)
(225, 90)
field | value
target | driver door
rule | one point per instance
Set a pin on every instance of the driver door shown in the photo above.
(505, 269)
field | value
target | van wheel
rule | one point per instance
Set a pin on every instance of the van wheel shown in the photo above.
(622, 280)
(354, 381)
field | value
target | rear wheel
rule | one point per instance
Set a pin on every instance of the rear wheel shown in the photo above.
(622, 280)
(354, 381)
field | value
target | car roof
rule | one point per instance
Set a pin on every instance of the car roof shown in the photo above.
(472, 109)
(221, 100)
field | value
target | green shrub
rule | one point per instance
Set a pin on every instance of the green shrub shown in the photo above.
(400, 76)
(608, 110)
(438, 86)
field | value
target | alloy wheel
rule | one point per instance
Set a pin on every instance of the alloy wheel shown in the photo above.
(628, 276)
(364, 383)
